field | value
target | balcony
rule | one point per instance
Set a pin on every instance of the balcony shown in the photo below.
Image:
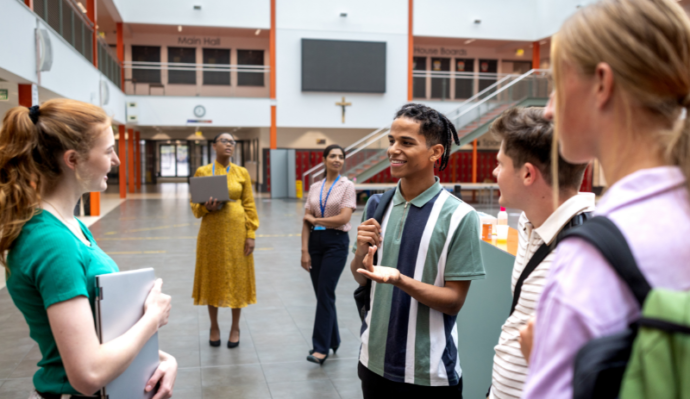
(196, 80)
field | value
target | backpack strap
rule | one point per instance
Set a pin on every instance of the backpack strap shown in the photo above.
(542, 252)
(605, 236)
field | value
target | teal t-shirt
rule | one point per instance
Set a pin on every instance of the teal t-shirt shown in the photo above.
(49, 264)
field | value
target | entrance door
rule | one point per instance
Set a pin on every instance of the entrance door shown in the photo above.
(174, 160)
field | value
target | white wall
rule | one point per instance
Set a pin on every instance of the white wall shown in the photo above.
(500, 19)
(383, 21)
(527, 20)
(175, 111)
(220, 13)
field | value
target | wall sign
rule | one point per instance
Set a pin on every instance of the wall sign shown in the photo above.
(450, 52)
(4, 95)
(199, 121)
(194, 41)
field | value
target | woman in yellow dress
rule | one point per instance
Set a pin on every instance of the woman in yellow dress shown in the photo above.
(224, 275)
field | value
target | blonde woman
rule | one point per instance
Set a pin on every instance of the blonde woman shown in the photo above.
(622, 92)
(49, 156)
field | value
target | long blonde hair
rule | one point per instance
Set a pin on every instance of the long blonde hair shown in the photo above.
(30, 157)
(647, 45)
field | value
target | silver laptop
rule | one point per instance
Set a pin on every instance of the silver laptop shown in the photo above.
(206, 187)
(120, 305)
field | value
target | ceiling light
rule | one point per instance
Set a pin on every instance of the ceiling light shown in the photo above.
(179, 28)
(81, 7)
(469, 41)
(477, 21)
(519, 52)
(543, 42)
(257, 32)
(343, 14)
(197, 6)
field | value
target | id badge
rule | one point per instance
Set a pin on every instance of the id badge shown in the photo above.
(319, 228)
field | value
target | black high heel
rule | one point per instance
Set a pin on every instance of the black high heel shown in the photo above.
(314, 359)
(214, 344)
(232, 345)
(335, 349)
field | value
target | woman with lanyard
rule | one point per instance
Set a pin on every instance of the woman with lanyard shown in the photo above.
(325, 244)
(224, 275)
(50, 155)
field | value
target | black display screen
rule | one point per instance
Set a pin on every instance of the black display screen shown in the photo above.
(343, 66)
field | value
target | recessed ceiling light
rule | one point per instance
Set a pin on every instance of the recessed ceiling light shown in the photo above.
(257, 32)
(343, 14)
(81, 7)
(197, 6)
(468, 41)
(179, 28)
(477, 21)
(542, 42)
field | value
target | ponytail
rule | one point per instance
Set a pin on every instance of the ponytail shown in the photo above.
(31, 145)
(678, 148)
(19, 176)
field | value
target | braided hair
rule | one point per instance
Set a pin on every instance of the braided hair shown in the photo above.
(435, 127)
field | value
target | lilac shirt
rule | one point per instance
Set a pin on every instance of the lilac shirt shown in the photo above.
(584, 298)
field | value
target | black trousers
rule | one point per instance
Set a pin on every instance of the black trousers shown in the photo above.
(328, 251)
(375, 387)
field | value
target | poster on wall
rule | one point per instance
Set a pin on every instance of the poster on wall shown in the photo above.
(4, 95)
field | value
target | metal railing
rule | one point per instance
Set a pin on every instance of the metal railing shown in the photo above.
(452, 85)
(473, 113)
(68, 21)
(109, 64)
(192, 79)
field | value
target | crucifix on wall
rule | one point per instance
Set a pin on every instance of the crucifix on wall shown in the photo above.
(343, 104)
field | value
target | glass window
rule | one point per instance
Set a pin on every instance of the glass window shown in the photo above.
(182, 160)
(181, 55)
(53, 13)
(168, 160)
(464, 77)
(67, 23)
(440, 86)
(253, 58)
(146, 54)
(220, 57)
(419, 83)
(489, 67)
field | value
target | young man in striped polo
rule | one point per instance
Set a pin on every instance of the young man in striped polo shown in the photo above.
(524, 177)
(428, 252)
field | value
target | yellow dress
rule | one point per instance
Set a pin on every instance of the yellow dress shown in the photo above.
(224, 277)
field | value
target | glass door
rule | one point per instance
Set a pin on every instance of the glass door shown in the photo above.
(168, 164)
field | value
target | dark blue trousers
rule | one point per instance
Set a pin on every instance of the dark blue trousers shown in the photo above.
(328, 250)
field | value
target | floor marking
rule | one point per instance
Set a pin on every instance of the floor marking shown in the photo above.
(134, 252)
(279, 235)
(111, 233)
(157, 228)
(263, 249)
(186, 237)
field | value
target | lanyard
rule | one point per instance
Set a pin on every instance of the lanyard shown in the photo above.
(322, 204)
(227, 170)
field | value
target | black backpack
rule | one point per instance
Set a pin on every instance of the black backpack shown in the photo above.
(377, 205)
(601, 363)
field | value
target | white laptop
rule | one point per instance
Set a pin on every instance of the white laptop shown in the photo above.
(120, 305)
(206, 187)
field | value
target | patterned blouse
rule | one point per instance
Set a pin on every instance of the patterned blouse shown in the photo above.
(342, 196)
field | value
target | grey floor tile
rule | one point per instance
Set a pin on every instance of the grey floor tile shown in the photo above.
(16, 388)
(317, 389)
(244, 391)
(301, 370)
(232, 375)
(348, 388)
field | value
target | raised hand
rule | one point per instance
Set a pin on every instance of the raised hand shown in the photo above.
(368, 234)
(380, 274)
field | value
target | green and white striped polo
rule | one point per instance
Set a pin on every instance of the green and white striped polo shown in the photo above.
(434, 238)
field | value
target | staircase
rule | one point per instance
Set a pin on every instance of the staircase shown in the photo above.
(367, 157)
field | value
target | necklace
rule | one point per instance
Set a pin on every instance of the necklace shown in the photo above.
(69, 225)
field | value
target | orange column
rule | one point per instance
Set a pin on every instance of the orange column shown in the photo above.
(130, 159)
(121, 52)
(24, 95)
(272, 49)
(122, 153)
(410, 51)
(29, 3)
(91, 14)
(137, 151)
(536, 57)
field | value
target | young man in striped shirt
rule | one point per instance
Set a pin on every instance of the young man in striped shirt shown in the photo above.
(524, 178)
(428, 252)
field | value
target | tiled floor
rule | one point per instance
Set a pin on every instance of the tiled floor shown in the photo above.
(275, 333)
